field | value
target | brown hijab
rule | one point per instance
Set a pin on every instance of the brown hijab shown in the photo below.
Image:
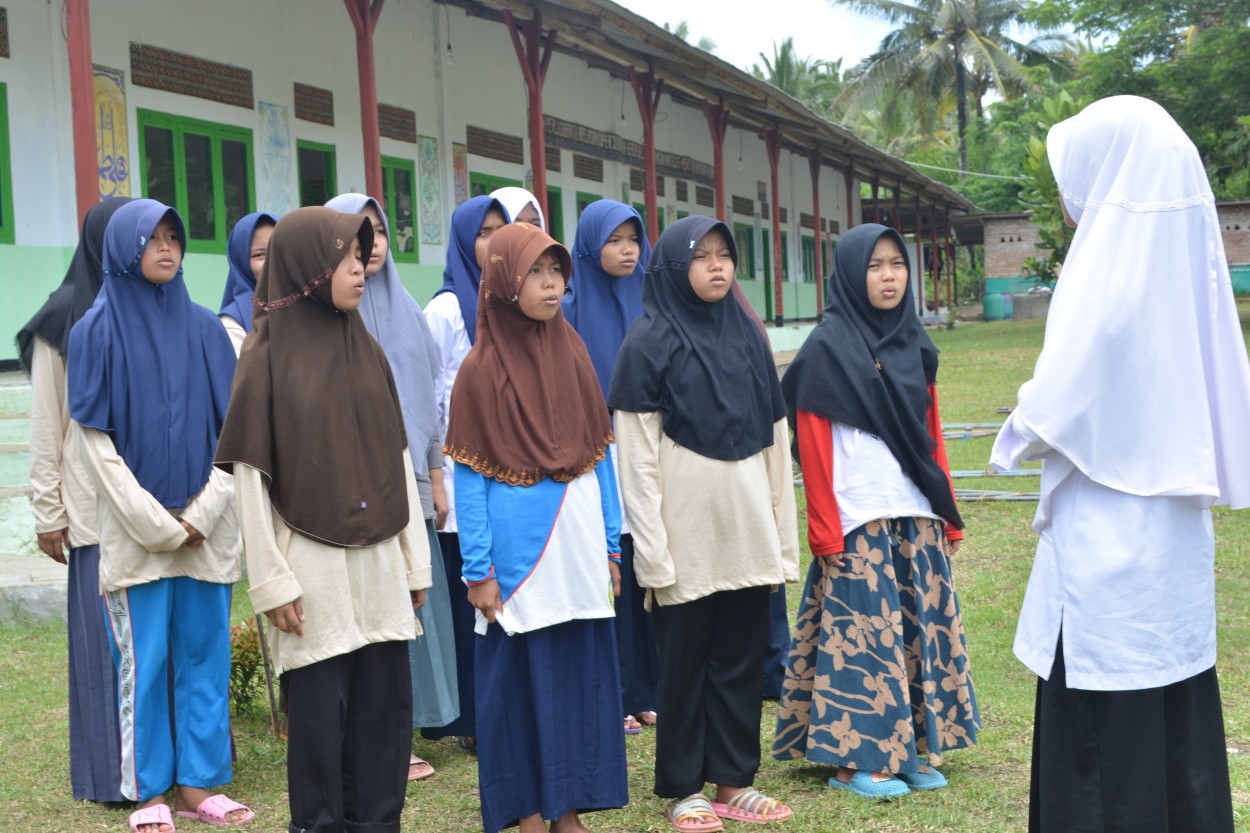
(314, 405)
(527, 404)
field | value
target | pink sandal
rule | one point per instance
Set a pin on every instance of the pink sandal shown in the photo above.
(156, 814)
(214, 809)
(753, 806)
(694, 814)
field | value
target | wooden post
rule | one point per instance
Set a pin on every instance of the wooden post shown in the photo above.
(876, 200)
(364, 15)
(534, 63)
(919, 253)
(718, 123)
(898, 208)
(849, 175)
(82, 105)
(772, 143)
(813, 162)
(647, 90)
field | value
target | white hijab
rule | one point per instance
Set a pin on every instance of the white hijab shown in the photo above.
(515, 199)
(1143, 381)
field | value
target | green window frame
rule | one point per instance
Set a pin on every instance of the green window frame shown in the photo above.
(399, 196)
(203, 169)
(6, 181)
(555, 212)
(744, 242)
(682, 214)
(317, 171)
(808, 247)
(481, 185)
(585, 198)
(785, 256)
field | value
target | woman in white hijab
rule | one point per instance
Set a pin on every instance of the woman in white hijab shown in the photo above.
(521, 205)
(1138, 407)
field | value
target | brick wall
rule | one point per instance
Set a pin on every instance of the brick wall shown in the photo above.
(1008, 241)
(1235, 224)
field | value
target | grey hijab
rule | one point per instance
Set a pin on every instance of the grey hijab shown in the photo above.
(395, 319)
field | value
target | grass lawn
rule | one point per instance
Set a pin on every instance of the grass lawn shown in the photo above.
(983, 365)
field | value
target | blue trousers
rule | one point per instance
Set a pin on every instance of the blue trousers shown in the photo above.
(181, 624)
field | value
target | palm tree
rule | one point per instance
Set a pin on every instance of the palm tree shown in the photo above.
(959, 44)
(682, 30)
(815, 83)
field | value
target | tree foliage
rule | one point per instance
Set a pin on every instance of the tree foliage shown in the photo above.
(815, 83)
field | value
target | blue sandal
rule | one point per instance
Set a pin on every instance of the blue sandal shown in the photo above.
(865, 786)
(921, 780)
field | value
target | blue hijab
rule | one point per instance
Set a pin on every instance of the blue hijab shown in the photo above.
(241, 283)
(462, 274)
(394, 318)
(149, 367)
(601, 307)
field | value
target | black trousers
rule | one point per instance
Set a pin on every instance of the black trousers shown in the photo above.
(1146, 761)
(350, 730)
(710, 652)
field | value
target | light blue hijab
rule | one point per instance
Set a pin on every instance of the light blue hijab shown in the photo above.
(395, 319)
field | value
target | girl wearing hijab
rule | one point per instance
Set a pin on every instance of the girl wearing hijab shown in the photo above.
(337, 553)
(611, 254)
(1119, 618)
(879, 648)
(149, 382)
(452, 318)
(396, 321)
(539, 527)
(706, 474)
(520, 206)
(65, 515)
(245, 254)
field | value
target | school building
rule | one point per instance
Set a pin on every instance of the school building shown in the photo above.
(224, 107)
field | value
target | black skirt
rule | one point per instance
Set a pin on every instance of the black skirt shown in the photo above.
(1146, 761)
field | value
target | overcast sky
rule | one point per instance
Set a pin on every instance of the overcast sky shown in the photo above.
(820, 29)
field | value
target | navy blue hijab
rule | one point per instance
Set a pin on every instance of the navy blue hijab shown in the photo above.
(870, 368)
(149, 367)
(67, 305)
(706, 367)
(241, 283)
(601, 307)
(462, 274)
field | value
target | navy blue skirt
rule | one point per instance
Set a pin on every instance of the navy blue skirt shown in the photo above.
(549, 734)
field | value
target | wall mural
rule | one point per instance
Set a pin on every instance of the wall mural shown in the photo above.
(274, 159)
(460, 166)
(112, 143)
(431, 194)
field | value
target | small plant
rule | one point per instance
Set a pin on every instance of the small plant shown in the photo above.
(247, 670)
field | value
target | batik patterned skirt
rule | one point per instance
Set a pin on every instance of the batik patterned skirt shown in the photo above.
(878, 672)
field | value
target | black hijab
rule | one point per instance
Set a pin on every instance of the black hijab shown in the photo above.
(870, 368)
(706, 367)
(71, 300)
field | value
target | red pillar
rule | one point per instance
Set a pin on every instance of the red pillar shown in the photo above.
(950, 260)
(718, 123)
(919, 253)
(772, 142)
(82, 98)
(933, 252)
(813, 162)
(849, 176)
(534, 65)
(364, 15)
(647, 89)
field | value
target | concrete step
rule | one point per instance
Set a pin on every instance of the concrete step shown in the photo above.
(32, 588)
(14, 465)
(15, 429)
(14, 394)
(17, 521)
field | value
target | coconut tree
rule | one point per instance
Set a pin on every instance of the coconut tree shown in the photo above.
(963, 46)
(815, 83)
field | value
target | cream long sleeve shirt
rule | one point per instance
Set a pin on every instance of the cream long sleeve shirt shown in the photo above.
(701, 525)
(62, 495)
(351, 597)
(142, 541)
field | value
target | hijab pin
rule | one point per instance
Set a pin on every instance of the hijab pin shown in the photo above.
(338, 243)
(364, 505)
(877, 362)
